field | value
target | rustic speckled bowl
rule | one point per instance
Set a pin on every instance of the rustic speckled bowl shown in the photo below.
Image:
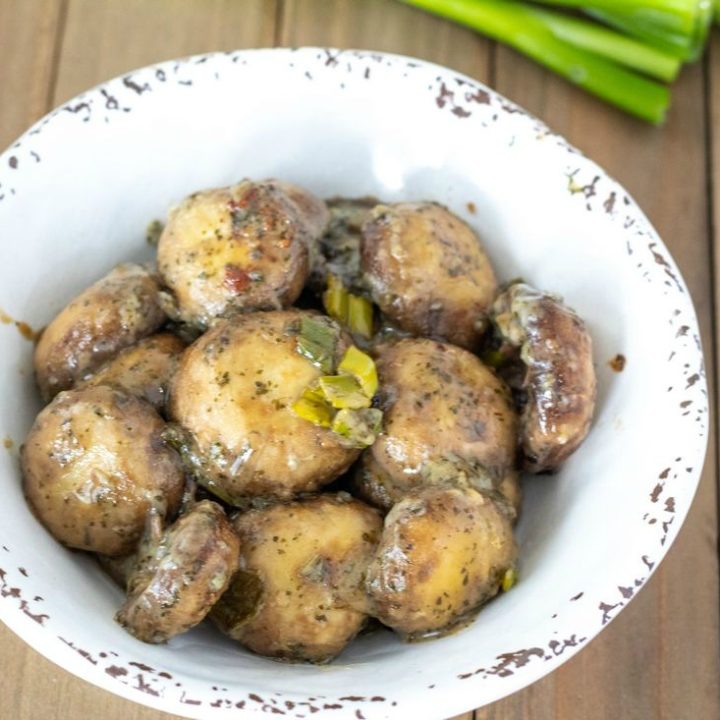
(78, 190)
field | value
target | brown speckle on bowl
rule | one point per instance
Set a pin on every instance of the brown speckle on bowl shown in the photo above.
(661, 260)
(656, 492)
(609, 203)
(588, 190)
(558, 648)
(331, 57)
(78, 108)
(607, 610)
(445, 97)
(141, 666)
(15, 593)
(111, 102)
(128, 82)
(189, 701)
(83, 653)
(617, 364)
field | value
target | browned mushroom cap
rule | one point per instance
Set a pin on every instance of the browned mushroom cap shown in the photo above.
(240, 248)
(428, 272)
(144, 370)
(313, 210)
(443, 553)
(447, 418)
(94, 464)
(233, 394)
(299, 594)
(114, 313)
(560, 382)
(181, 576)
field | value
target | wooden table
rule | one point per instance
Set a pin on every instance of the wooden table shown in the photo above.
(661, 657)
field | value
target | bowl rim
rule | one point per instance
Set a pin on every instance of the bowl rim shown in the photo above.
(520, 669)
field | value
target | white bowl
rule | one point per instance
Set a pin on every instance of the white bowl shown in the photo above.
(76, 194)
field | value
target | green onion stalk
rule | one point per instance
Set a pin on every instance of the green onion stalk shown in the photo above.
(682, 33)
(602, 61)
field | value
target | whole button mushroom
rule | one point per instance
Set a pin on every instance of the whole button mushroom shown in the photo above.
(299, 593)
(241, 248)
(113, 313)
(447, 417)
(232, 398)
(144, 370)
(444, 551)
(94, 465)
(180, 574)
(428, 272)
(557, 378)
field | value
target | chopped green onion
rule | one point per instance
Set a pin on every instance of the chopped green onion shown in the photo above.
(676, 26)
(684, 44)
(317, 341)
(681, 15)
(359, 427)
(335, 299)
(519, 26)
(611, 45)
(342, 402)
(353, 311)
(362, 367)
(343, 392)
(211, 486)
(510, 578)
(310, 408)
(313, 392)
(360, 316)
(493, 358)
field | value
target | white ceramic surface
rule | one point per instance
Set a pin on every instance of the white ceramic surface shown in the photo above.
(78, 190)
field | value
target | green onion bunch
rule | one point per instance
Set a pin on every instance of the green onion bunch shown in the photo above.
(624, 51)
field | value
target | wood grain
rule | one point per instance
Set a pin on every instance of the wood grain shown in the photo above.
(29, 36)
(712, 93)
(383, 25)
(105, 39)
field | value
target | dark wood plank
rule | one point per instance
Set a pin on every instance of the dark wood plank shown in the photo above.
(383, 25)
(105, 39)
(661, 657)
(28, 40)
(713, 111)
